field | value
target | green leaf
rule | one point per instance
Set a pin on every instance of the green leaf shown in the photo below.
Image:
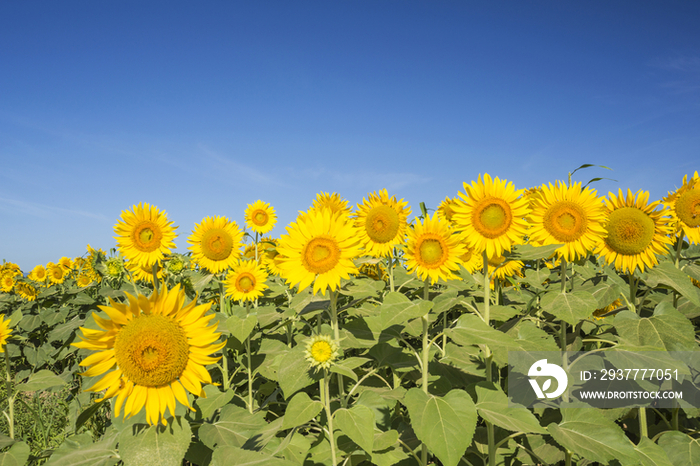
(300, 410)
(492, 405)
(65, 331)
(88, 413)
(397, 309)
(445, 424)
(234, 427)
(591, 435)
(228, 455)
(214, 400)
(41, 381)
(471, 330)
(80, 451)
(650, 454)
(156, 445)
(240, 328)
(667, 329)
(293, 374)
(681, 449)
(340, 368)
(17, 455)
(358, 424)
(528, 252)
(667, 274)
(569, 307)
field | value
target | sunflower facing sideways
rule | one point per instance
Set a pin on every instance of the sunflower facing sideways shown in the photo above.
(151, 352)
(260, 217)
(433, 249)
(318, 249)
(144, 234)
(569, 216)
(381, 223)
(492, 215)
(684, 206)
(246, 281)
(5, 332)
(635, 232)
(216, 243)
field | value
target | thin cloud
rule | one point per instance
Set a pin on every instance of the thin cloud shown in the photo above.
(369, 180)
(683, 71)
(239, 170)
(44, 211)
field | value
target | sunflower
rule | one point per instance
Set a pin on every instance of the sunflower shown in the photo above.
(331, 201)
(569, 216)
(152, 350)
(26, 291)
(84, 280)
(145, 235)
(260, 217)
(321, 351)
(5, 332)
(445, 210)
(318, 249)
(216, 243)
(114, 267)
(66, 263)
(635, 232)
(381, 223)
(57, 274)
(492, 215)
(246, 281)
(144, 273)
(267, 252)
(7, 282)
(684, 206)
(601, 314)
(501, 268)
(433, 249)
(374, 271)
(38, 274)
(471, 260)
(10, 268)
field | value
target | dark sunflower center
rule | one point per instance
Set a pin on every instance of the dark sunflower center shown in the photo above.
(382, 224)
(216, 244)
(146, 236)
(566, 221)
(320, 255)
(688, 208)
(492, 217)
(245, 282)
(630, 231)
(151, 350)
(260, 218)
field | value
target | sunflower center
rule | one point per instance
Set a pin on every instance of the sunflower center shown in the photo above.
(146, 236)
(216, 244)
(492, 217)
(320, 255)
(260, 218)
(432, 253)
(152, 350)
(57, 273)
(245, 282)
(688, 208)
(566, 221)
(630, 231)
(382, 224)
(321, 351)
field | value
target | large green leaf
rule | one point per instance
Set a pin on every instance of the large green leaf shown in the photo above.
(241, 326)
(214, 400)
(80, 451)
(667, 329)
(667, 274)
(41, 381)
(358, 424)
(591, 435)
(492, 405)
(156, 445)
(234, 427)
(300, 410)
(569, 307)
(650, 454)
(681, 449)
(445, 424)
(17, 455)
(471, 330)
(228, 455)
(293, 374)
(397, 309)
(528, 252)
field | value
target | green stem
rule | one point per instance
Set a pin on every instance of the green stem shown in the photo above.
(224, 369)
(425, 362)
(567, 458)
(154, 270)
(336, 337)
(391, 270)
(326, 400)
(250, 366)
(643, 429)
(633, 292)
(10, 395)
(490, 431)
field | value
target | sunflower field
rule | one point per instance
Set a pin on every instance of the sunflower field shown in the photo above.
(365, 335)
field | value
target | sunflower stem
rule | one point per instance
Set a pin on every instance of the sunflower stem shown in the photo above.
(425, 362)
(326, 400)
(643, 429)
(391, 270)
(336, 337)
(154, 271)
(488, 358)
(10, 395)
(250, 366)
(633, 292)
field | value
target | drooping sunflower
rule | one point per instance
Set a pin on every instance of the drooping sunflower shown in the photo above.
(318, 249)
(492, 214)
(381, 223)
(433, 249)
(635, 232)
(216, 243)
(321, 351)
(26, 291)
(56, 272)
(246, 281)
(144, 273)
(144, 235)
(5, 332)
(502, 268)
(152, 350)
(684, 207)
(260, 217)
(38, 274)
(569, 216)
(376, 271)
(331, 201)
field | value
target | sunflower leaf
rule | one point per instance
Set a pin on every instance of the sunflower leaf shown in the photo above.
(358, 424)
(17, 455)
(667, 274)
(680, 448)
(156, 445)
(300, 410)
(41, 380)
(569, 307)
(397, 309)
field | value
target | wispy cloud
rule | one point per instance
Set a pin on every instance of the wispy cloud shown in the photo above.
(367, 179)
(239, 171)
(682, 73)
(44, 211)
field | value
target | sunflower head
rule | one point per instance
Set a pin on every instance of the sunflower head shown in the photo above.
(56, 273)
(26, 291)
(684, 207)
(150, 352)
(114, 267)
(216, 243)
(5, 332)
(502, 269)
(144, 234)
(332, 202)
(144, 272)
(260, 217)
(7, 282)
(246, 281)
(175, 264)
(381, 223)
(84, 279)
(446, 209)
(433, 249)
(321, 351)
(39, 274)
(374, 271)
(471, 260)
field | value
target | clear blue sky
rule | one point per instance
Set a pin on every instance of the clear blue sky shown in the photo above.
(204, 107)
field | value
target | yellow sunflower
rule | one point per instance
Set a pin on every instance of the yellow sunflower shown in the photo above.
(26, 291)
(501, 269)
(246, 281)
(318, 249)
(216, 243)
(267, 252)
(57, 274)
(433, 249)
(84, 280)
(445, 210)
(321, 351)
(66, 263)
(381, 223)
(152, 350)
(260, 217)
(374, 271)
(142, 272)
(5, 332)
(635, 232)
(569, 216)
(684, 206)
(39, 274)
(7, 282)
(331, 201)
(471, 260)
(492, 214)
(145, 235)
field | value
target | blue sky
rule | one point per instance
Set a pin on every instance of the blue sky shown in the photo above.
(201, 108)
